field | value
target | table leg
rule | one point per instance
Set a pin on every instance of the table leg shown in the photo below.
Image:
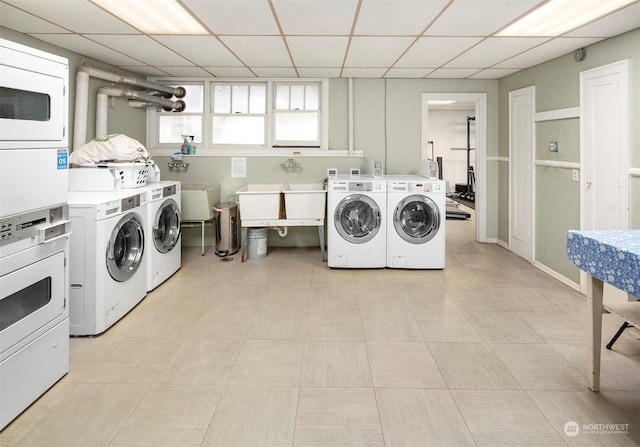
(321, 235)
(202, 236)
(594, 314)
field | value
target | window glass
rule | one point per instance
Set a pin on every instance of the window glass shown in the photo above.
(240, 99)
(194, 98)
(296, 126)
(312, 97)
(222, 99)
(282, 97)
(232, 129)
(257, 98)
(297, 98)
(172, 127)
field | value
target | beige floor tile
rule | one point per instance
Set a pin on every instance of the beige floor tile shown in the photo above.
(170, 321)
(459, 277)
(503, 327)
(628, 402)
(587, 410)
(426, 279)
(269, 363)
(253, 416)
(508, 418)
(202, 362)
(337, 417)
(374, 277)
(136, 360)
(170, 415)
(223, 323)
(419, 417)
(335, 363)
(326, 276)
(471, 366)
(539, 367)
(380, 297)
(478, 261)
(446, 326)
(524, 299)
(90, 415)
(476, 299)
(287, 295)
(279, 323)
(334, 324)
(86, 353)
(535, 277)
(293, 275)
(564, 297)
(389, 325)
(555, 327)
(403, 365)
(334, 296)
(428, 298)
(498, 277)
(240, 294)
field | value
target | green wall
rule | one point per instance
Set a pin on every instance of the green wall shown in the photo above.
(557, 84)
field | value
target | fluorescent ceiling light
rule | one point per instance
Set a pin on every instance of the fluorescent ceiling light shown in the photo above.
(556, 17)
(154, 16)
(440, 103)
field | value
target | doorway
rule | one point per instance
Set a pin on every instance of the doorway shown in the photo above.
(467, 105)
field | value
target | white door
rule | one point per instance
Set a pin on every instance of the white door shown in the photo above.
(604, 152)
(521, 149)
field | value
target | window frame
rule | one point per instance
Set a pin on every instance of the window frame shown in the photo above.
(269, 148)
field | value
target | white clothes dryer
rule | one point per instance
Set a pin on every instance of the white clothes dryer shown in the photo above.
(357, 222)
(416, 222)
(108, 261)
(163, 235)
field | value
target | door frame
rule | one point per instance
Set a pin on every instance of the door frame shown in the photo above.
(481, 124)
(530, 92)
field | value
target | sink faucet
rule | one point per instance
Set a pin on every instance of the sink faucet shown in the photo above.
(290, 164)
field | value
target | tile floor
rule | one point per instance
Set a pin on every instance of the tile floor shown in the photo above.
(282, 351)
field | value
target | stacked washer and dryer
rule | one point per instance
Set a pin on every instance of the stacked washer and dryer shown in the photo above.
(393, 221)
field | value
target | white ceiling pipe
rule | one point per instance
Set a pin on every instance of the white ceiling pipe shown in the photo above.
(178, 92)
(102, 104)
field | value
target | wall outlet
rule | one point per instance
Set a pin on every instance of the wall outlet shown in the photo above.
(575, 175)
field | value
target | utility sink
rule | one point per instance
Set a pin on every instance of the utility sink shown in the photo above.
(198, 200)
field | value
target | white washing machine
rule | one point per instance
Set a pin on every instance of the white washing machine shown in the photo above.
(416, 222)
(108, 260)
(357, 236)
(163, 234)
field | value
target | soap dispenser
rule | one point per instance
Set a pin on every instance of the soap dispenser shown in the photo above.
(185, 145)
(192, 146)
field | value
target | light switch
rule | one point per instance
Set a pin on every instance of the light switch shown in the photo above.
(553, 146)
(575, 175)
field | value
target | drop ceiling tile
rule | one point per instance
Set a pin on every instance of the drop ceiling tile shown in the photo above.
(262, 51)
(616, 23)
(247, 17)
(275, 72)
(201, 50)
(18, 20)
(88, 48)
(184, 71)
(493, 73)
(435, 51)
(408, 72)
(376, 51)
(387, 17)
(80, 16)
(145, 70)
(141, 48)
(494, 50)
(231, 72)
(547, 51)
(316, 17)
(319, 72)
(314, 51)
(452, 73)
(363, 72)
(478, 18)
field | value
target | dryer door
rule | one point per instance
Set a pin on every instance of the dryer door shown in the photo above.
(417, 219)
(125, 248)
(357, 218)
(166, 227)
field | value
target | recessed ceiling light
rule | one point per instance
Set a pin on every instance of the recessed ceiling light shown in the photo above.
(154, 16)
(556, 17)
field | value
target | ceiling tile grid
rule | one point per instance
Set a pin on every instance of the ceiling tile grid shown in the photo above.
(452, 39)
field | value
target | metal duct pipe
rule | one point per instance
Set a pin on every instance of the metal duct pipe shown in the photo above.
(105, 92)
(178, 92)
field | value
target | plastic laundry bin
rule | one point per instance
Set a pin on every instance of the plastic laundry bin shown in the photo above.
(227, 229)
(257, 243)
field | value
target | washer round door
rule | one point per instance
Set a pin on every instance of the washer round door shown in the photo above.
(166, 227)
(125, 248)
(357, 218)
(417, 219)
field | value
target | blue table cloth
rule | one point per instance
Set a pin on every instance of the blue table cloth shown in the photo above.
(612, 256)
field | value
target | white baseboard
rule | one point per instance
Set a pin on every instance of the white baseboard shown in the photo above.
(503, 244)
(549, 271)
